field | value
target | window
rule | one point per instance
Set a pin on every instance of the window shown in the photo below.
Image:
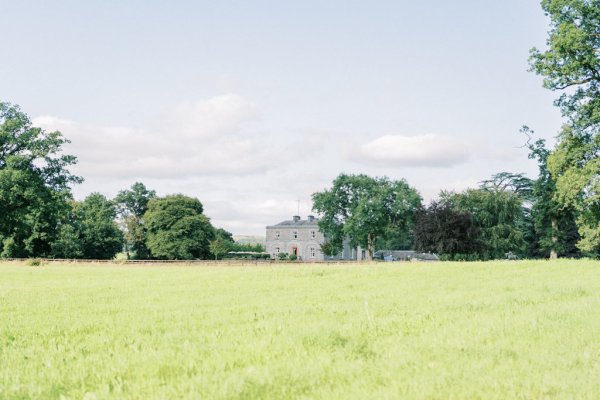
(276, 234)
(312, 234)
(295, 234)
(276, 250)
(313, 252)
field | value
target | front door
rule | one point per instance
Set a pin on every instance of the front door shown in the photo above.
(294, 251)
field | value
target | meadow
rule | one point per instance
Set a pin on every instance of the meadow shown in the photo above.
(494, 330)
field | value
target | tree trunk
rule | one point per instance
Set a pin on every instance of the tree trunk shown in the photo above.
(370, 247)
(553, 253)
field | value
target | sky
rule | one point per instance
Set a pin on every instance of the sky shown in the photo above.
(252, 106)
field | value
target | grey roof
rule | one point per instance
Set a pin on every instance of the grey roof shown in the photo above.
(303, 223)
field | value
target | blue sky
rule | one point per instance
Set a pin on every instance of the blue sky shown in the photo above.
(252, 105)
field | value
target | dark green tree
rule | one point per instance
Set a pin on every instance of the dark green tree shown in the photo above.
(555, 228)
(570, 65)
(177, 229)
(132, 204)
(450, 233)
(364, 209)
(34, 185)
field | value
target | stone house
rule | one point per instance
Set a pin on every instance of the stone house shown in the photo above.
(303, 239)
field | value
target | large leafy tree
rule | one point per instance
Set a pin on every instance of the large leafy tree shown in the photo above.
(132, 204)
(34, 185)
(363, 209)
(177, 229)
(497, 215)
(571, 65)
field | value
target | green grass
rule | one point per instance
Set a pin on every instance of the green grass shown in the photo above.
(439, 330)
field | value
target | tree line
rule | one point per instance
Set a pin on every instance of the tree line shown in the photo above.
(40, 218)
(555, 214)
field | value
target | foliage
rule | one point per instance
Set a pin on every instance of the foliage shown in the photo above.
(497, 214)
(177, 229)
(219, 246)
(571, 65)
(91, 231)
(34, 184)
(555, 229)
(363, 209)
(494, 330)
(448, 232)
(282, 256)
(132, 204)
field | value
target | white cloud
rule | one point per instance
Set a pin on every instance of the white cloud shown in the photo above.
(208, 137)
(429, 150)
(220, 115)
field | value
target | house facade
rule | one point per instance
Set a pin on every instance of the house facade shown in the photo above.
(303, 239)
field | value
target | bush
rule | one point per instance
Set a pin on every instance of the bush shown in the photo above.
(293, 257)
(282, 256)
(35, 262)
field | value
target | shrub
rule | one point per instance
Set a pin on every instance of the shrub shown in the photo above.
(35, 262)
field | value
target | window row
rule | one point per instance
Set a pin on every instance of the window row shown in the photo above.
(294, 234)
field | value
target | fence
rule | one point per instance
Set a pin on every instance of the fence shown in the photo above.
(228, 262)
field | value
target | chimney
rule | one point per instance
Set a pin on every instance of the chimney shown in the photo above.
(311, 218)
(296, 218)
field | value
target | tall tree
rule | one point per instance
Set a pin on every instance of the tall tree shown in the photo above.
(497, 215)
(363, 209)
(555, 230)
(177, 229)
(571, 66)
(34, 185)
(132, 204)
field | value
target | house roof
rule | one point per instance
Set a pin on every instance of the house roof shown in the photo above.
(302, 223)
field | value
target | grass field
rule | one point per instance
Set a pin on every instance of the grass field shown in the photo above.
(501, 330)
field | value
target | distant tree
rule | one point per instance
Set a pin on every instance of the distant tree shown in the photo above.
(571, 66)
(364, 209)
(34, 185)
(90, 231)
(497, 215)
(448, 232)
(132, 204)
(177, 229)
(219, 246)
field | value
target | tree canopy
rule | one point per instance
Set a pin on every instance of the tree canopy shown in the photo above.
(34, 185)
(363, 209)
(177, 229)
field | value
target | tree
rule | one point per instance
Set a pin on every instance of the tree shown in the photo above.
(91, 231)
(219, 246)
(34, 185)
(132, 204)
(571, 65)
(363, 209)
(555, 230)
(177, 229)
(497, 215)
(446, 231)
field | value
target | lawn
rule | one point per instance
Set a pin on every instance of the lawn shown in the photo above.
(528, 329)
